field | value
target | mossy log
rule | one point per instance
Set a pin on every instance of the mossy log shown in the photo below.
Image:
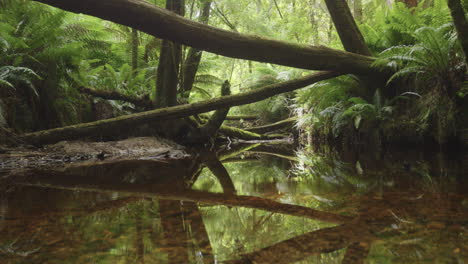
(210, 128)
(119, 125)
(144, 101)
(287, 123)
(166, 25)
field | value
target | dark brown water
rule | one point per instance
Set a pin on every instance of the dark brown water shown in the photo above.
(398, 207)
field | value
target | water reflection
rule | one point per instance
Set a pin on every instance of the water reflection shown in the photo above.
(250, 204)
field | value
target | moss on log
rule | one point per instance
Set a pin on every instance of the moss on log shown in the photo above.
(118, 125)
(166, 25)
(287, 123)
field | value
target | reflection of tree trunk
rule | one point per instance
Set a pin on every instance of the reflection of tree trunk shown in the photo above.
(219, 171)
(175, 236)
(163, 192)
(199, 233)
(356, 253)
(298, 248)
(139, 244)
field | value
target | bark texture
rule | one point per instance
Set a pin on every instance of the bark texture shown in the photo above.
(194, 56)
(458, 15)
(167, 78)
(349, 33)
(144, 101)
(119, 124)
(167, 25)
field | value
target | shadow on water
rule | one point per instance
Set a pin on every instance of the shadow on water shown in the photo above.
(249, 204)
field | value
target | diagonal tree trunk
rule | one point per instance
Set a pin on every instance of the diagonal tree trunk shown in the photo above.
(123, 123)
(349, 33)
(166, 25)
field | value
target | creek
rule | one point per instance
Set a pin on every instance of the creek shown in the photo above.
(245, 204)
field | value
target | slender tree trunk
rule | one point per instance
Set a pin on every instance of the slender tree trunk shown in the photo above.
(314, 22)
(349, 33)
(358, 10)
(134, 51)
(458, 15)
(192, 62)
(167, 78)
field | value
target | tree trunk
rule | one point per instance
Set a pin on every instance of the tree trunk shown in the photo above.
(358, 10)
(144, 101)
(458, 15)
(208, 131)
(118, 124)
(168, 67)
(144, 17)
(134, 51)
(314, 22)
(192, 62)
(349, 33)
(409, 3)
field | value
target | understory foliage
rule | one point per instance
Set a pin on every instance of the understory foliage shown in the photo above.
(420, 101)
(48, 54)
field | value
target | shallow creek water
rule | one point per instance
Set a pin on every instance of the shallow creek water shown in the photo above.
(265, 204)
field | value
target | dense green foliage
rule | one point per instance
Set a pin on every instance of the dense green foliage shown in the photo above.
(47, 55)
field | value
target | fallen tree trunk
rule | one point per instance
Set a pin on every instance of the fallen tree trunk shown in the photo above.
(144, 102)
(166, 25)
(116, 125)
(287, 123)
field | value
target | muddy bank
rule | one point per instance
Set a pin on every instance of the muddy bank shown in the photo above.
(73, 153)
